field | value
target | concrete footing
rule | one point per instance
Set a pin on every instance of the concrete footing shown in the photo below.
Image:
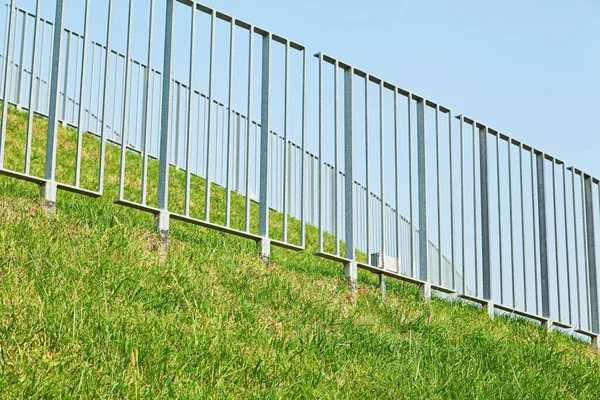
(351, 274)
(382, 288)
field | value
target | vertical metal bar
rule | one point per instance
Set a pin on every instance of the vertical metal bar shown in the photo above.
(575, 236)
(208, 150)
(410, 190)
(367, 173)
(22, 59)
(265, 147)
(350, 270)
(249, 123)
(320, 177)
(80, 130)
(7, 76)
(451, 162)
(229, 125)
(543, 228)
(585, 246)
(567, 247)
(523, 244)
(126, 95)
(382, 167)
(438, 190)
(422, 148)
(286, 111)
(512, 239)
(66, 78)
(499, 194)
(34, 60)
(485, 213)
(462, 202)
(335, 155)
(190, 121)
(556, 254)
(303, 161)
(475, 216)
(148, 101)
(591, 256)
(40, 64)
(105, 97)
(535, 240)
(49, 189)
(162, 221)
(398, 219)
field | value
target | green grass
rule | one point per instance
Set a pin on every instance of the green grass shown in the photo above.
(90, 309)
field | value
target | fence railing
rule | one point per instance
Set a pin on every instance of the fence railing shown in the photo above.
(394, 182)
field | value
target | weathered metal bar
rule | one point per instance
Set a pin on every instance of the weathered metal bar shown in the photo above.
(66, 77)
(162, 219)
(543, 234)
(263, 224)
(34, 61)
(413, 265)
(511, 227)
(475, 216)
(190, 116)
(398, 219)
(49, 187)
(499, 194)
(320, 151)
(126, 109)
(462, 203)
(148, 101)
(22, 60)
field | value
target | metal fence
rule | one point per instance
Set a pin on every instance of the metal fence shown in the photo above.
(394, 182)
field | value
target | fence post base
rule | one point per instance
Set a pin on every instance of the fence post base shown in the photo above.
(549, 325)
(48, 193)
(425, 292)
(489, 306)
(382, 287)
(595, 343)
(351, 274)
(161, 224)
(264, 248)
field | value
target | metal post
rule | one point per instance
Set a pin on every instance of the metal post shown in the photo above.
(103, 129)
(249, 124)
(48, 189)
(229, 126)
(543, 233)
(264, 244)
(190, 116)
(424, 290)
(350, 269)
(591, 255)
(162, 219)
(485, 214)
(82, 96)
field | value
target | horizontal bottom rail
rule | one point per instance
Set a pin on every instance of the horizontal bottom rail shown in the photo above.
(206, 224)
(41, 181)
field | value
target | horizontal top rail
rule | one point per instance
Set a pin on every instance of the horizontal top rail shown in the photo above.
(477, 124)
(386, 84)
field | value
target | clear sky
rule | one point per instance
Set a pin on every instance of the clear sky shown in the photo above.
(530, 69)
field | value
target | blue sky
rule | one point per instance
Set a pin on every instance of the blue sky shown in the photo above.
(527, 68)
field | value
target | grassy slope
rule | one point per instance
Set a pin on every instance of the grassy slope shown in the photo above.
(88, 308)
